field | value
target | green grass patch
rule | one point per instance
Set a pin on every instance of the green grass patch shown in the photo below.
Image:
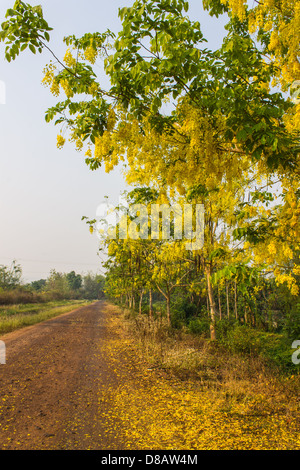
(13, 317)
(275, 348)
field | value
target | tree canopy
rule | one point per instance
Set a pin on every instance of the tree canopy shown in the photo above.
(191, 125)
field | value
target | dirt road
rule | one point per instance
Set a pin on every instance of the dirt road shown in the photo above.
(56, 375)
(79, 382)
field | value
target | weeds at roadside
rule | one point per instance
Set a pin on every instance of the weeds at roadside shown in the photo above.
(18, 316)
(241, 383)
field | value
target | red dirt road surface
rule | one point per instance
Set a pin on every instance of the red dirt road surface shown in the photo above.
(80, 382)
(51, 384)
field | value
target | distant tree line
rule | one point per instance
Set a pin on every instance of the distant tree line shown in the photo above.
(57, 286)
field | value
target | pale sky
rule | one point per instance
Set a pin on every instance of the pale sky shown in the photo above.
(44, 191)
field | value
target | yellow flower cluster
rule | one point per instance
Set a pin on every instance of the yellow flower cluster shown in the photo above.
(88, 153)
(106, 150)
(66, 87)
(91, 53)
(79, 144)
(49, 72)
(69, 60)
(292, 119)
(238, 7)
(290, 281)
(93, 89)
(284, 25)
(296, 270)
(274, 41)
(111, 121)
(272, 248)
(55, 88)
(60, 141)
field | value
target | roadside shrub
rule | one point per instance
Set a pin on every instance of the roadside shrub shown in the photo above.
(244, 339)
(198, 326)
(223, 327)
(292, 323)
(182, 311)
(274, 348)
(19, 296)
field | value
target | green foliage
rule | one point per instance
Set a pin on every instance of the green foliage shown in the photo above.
(26, 27)
(20, 315)
(274, 348)
(292, 323)
(227, 81)
(199, 326)
(159, 56)
(74, 280)
(182, 311)
(58, 286)
(38, 285)
(10, 276)
(93, 286)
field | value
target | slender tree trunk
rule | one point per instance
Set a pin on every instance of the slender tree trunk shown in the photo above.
(207, 304)
(212, 305)
(167, 296)
(235, 301)
(141, 301)
(150, 304)
(227, 300)
(220, 307)
(168, 299)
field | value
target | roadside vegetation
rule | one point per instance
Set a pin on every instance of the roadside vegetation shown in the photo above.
(13, 317)
(238, 383)
(261, 322)
(23, 304)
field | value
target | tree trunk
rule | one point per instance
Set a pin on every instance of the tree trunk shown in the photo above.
(141, 301)
(207, 304)
(168, 299)
(212, 305)
(227, 300)
(220, 307)
(150, 304)
(235, 301)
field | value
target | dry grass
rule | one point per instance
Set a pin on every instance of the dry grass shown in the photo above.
(13, 317)
(234, 381)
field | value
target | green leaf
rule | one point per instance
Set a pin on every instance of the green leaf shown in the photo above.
(10, 12)
(274, 145)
